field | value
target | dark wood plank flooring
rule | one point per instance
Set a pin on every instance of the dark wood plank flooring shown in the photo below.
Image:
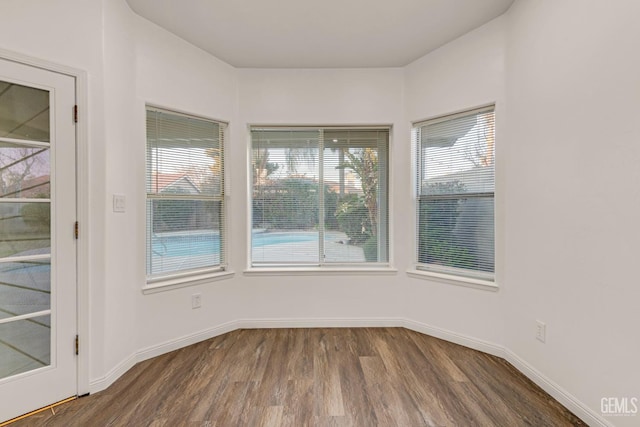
(317, 377)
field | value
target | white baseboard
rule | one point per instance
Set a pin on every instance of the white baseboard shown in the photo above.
(569, 401)
(456, 338)
(157, 350)
(320, 323)
(184, 341)
(565, 398)
(120, 369)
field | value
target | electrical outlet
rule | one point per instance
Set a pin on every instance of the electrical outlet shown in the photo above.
(196, 301)
(541, 331)
(119, 203)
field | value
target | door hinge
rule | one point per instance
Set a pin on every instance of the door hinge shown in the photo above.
(76, 230)
(77, 345)
(75, 114)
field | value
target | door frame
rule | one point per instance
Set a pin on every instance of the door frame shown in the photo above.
(83, 309)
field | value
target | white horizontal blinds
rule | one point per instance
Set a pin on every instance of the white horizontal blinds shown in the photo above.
(456, 184)
(311, 204)
(185, 170)
(356, 207)
(285, 168)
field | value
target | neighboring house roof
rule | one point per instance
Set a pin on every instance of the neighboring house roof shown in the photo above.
(173, 183)
(476, 179)
(30, 188)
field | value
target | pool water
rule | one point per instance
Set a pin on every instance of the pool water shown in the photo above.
(186, 245)
(264, 239)
(205, 244)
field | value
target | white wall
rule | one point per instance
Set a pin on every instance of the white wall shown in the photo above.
(173, 74)
(317, 97)
(466, 73)
(121, 262)
(573, 98)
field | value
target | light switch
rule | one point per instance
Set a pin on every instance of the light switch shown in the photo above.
(119, 203)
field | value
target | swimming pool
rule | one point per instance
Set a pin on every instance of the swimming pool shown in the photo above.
(264, 239)
(175, 245)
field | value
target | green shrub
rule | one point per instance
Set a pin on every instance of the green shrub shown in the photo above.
(353, 219)
(370, 249)
(37, 215)
(437, 221)
(292, 204)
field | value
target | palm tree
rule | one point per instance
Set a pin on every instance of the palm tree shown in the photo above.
(262, 167)
(364, 163)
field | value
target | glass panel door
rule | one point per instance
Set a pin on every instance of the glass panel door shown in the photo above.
(25, 229)
(38, 292)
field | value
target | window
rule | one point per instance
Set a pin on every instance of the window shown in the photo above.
(185, 194)
(319, 196)
(455, 192)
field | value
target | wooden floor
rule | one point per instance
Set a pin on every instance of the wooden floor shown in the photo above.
(317, 377)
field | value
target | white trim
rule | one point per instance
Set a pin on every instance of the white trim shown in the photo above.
(454, 337)
(390, 190)
(454, 114)
(121, 368)
(168, 284)
(186, 340)
(24, 200)
(27, 142)
(25, 316)
(82, 203)
(287, 127)
(83, 185)
(301, 268)
(39, 63)
(467, 282)
(321, 322)
(319, 271)
(116, 372)
(184, 275)
(171, 110)
(25, 257)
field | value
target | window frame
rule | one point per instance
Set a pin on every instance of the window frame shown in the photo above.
(193, 276)
(312, 268)
(452, 275)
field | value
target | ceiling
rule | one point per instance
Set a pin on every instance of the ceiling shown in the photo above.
(319, 34)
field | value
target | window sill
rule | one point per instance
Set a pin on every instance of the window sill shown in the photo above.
(467, 282)
(315, 271)
(170, 283)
